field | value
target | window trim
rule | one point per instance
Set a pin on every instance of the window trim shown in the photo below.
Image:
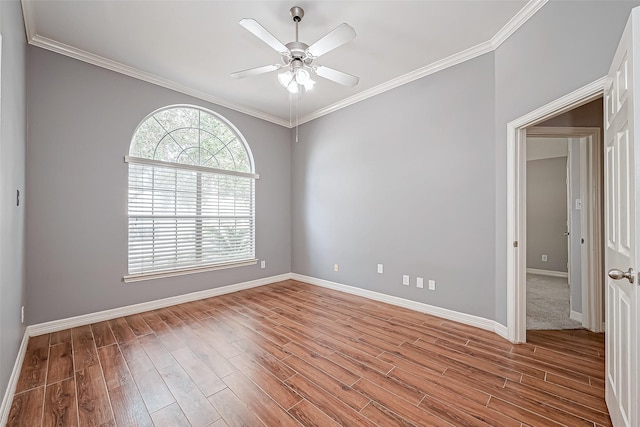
(137, 277)
(142, 160)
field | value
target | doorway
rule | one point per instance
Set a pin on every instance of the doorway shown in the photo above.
(561, 270)
(591, 205)
(553, 230)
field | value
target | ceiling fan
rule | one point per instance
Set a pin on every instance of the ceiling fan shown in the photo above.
(298, 57)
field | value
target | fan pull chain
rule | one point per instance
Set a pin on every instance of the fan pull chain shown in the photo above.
(290, 111)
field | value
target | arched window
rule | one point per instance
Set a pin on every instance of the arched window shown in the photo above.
(191, 195)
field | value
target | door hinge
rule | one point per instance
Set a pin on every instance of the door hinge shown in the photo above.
(515, 243)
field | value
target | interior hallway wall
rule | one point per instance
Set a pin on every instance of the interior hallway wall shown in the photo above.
(13, 126)
(547, 214)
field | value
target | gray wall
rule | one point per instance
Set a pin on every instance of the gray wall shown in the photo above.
(404, 179)
(414, 179)
(547, 214)
(563, 47)
(81, 120)
(12, 175)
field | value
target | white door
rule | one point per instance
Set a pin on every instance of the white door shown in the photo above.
(621, 255)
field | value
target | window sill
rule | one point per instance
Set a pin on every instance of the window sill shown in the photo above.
(163, 274)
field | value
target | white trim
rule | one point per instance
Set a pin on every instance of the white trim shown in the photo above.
(86, 319)
(162, 163)
(548, 272)
(561, 105)
(132, 278)
(491, 45)
(13, 380)
(516, 200)
(90, 58)
(574, 315)
(432, 68)
(467, 319)
(517, 21)
(29, 20)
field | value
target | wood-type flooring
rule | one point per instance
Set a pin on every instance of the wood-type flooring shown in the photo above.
(291, 354)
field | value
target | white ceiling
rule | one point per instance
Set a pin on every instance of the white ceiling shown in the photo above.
(193, 46)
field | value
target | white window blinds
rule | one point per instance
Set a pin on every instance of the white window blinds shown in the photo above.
(184, 218)
(191, 195)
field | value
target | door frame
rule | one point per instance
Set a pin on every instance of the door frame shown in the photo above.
(516, 211)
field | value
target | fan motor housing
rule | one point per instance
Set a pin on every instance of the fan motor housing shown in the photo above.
(297, 52)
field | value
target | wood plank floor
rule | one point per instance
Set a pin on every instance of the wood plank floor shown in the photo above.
(292, 354)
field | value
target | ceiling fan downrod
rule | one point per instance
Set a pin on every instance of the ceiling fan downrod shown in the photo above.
(296, 13)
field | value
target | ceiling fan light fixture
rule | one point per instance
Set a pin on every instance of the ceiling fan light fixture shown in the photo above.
(292, 80)
(285, 78)
(298, 57)
(302, 76)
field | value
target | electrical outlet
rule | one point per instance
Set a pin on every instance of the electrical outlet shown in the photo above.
(432, 285)
(380, 268)
(405, 280)
(335, 267)
(22, 314)
(544, 258)
(263, 264)
(420, 282)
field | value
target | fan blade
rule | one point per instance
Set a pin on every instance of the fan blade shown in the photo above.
(263, 34)
(255, 71)
(336, 76)
(339, 36)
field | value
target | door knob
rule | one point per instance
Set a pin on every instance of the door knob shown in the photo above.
(616, 274)
(566, 233)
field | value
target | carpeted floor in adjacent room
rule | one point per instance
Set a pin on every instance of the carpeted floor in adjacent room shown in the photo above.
(548, 303)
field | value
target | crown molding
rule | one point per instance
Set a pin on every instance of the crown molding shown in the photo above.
(118, 67)
(505, 32)
(29, 20)
(489, 46)
(517, 21)
(432, 68)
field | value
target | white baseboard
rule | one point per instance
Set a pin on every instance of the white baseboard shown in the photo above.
(13, 380)
(467, 319)
(87, 319)
(574, 315)
(548, 272)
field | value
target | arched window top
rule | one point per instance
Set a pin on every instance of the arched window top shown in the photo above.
(192, 136)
